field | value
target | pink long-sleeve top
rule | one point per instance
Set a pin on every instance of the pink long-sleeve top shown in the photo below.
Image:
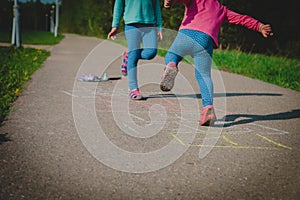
(207, 16)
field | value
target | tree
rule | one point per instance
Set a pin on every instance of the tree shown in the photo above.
(6, 15)
(90, 17)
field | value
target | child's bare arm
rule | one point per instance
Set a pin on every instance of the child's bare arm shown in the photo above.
(265, 30)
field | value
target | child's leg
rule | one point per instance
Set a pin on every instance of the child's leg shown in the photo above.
(202, 49)
(200, 46)
(172, 58)
(179, 48)
(124, 63)
(133, 38)
(203, 76)
(202, 60)
(149, 42)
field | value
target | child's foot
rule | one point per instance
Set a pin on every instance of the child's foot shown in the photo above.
(124, 63)
(135, 94)
(208, 116)
(168, 78)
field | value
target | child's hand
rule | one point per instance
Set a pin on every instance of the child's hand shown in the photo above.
(159, 35)
(169, 3)
(265, 30)
(112, 33)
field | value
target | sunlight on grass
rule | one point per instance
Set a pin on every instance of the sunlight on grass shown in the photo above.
(280, 71)
(33, 37)
(16, 67)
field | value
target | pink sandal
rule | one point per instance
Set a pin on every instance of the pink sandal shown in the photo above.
(135, 94)
(208, 116)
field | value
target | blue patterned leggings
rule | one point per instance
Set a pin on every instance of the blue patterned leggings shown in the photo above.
(200, 46)
(137, 34)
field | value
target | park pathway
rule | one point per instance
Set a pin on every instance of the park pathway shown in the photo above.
(50, 148)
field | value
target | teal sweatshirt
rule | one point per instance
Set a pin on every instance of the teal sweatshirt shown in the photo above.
(137, 11)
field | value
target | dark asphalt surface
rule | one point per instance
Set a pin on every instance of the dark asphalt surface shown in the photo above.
(48, 150)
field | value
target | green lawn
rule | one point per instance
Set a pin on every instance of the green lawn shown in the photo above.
(16, 67)
(33, 37)
(279, 71)
(18, 64)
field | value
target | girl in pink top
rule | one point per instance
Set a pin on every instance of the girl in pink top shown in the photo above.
(197, 36)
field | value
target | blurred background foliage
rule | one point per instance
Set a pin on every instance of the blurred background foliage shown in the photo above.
(94, 17)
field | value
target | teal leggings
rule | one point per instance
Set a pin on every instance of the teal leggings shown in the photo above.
(200, 46)
(137, 34)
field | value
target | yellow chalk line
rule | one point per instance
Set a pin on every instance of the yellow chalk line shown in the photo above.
(215, 133)
(229, 140)
(179, 140)
(210, 138)
(233, 147)
(225, 138)
(273, 142)
(236, 147)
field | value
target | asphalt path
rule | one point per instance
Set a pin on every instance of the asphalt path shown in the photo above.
(68, 139)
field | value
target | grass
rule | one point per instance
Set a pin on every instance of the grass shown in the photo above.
(18, 64)
(16, 67)
(280, 71)
(33, 37)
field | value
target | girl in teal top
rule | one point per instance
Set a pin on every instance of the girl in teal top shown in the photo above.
(143, 25)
